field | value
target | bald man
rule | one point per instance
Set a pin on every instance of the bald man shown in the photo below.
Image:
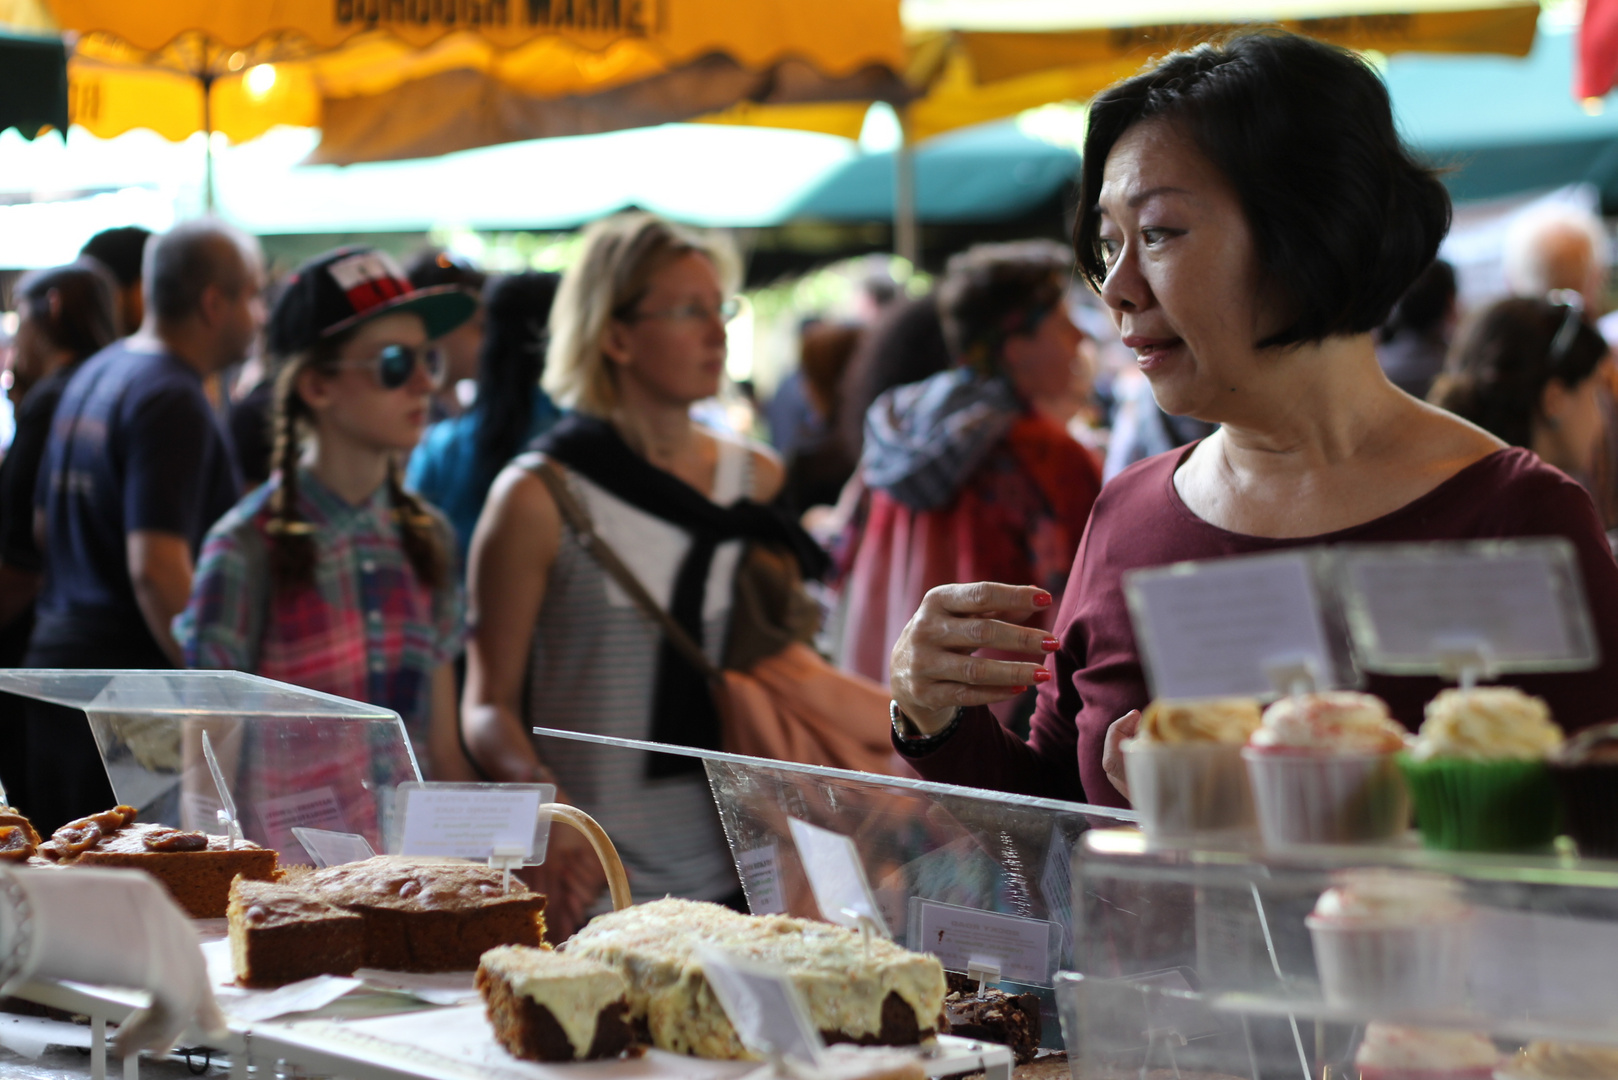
(136, 470)
(1558, 247)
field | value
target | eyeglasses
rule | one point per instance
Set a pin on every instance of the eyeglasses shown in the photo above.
(692, 312)
(394, 365)
(1568, 332)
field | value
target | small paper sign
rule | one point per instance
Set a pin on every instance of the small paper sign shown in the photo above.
(763, 1006)
(316, 809)
(472, 821)
(761, 879)
(1024, 950)
(1242, 627)
(329, 848)
(837, 877)
(1482, 607)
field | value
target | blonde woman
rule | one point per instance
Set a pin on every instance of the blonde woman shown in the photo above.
(637, 338)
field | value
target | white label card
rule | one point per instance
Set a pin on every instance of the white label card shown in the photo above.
(836, 876)
(763, 1007)
(1223, 628)
(761, 875)
(329, 848)
(316, 809)
(1023, 949)
(1494, 606)
(469, 821)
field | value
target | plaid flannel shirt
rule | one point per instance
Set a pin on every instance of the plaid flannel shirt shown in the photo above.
(366, 629)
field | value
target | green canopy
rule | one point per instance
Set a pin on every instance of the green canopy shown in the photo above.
(33, 84)
(1503, 125)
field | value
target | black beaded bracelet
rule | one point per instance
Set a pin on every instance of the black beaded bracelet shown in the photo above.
(916, 745)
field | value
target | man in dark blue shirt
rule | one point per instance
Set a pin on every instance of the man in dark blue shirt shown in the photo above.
(137, 468)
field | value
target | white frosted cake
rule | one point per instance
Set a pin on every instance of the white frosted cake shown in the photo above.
(876, 993)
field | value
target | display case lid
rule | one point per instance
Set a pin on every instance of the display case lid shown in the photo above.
(293, 757)
(988, 851)
(194, 692)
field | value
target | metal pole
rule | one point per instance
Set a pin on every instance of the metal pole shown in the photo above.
(906, 242)
(207, 144)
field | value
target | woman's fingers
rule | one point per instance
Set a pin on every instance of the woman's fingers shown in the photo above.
(944, 666)
(988, 598)
(1112, 752)
(969, 635)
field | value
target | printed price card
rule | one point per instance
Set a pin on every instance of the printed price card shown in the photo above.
(761, 878)
(1243, 627)
(329, 848)
(837, 877)
(1482, 608)
(763, 1007)
(1024, 950)
(471, 821)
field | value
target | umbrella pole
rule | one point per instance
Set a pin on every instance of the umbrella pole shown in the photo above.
(905, 239)
(207, 144)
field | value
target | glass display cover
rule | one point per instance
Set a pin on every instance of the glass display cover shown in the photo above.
(294, 757)
(976, 849)
(1214, 961)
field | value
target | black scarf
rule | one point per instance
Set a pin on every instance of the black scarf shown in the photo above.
(683, 711)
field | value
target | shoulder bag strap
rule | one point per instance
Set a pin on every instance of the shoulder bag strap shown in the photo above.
(578, 518)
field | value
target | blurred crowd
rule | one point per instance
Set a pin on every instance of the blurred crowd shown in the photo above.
(423, 486)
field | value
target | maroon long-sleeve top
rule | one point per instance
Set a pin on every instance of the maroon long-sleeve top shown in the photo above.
(1140, 521)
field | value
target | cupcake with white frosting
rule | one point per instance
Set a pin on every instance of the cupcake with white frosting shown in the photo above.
(1478, 771)
(1395, 1052)
(1547, 1060)
(1185, 770)
(1323, 770)
(1392, 941)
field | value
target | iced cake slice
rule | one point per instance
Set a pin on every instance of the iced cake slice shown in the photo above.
(881, 995)
(279, 934)
(547, 1006)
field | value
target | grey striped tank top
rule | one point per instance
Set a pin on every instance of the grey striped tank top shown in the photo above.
(592, 668)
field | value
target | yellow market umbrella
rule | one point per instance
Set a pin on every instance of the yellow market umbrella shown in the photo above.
(240, 67)
(970, 77)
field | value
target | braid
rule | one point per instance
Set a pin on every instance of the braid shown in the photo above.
(292, 544)
(418, 532)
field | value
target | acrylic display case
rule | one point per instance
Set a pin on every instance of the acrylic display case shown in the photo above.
(292, 757)
(1202, 962)
(917, 841)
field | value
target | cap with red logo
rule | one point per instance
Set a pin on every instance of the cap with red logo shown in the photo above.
(341, 289)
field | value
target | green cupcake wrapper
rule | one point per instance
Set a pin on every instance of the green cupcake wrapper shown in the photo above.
(1482, 805)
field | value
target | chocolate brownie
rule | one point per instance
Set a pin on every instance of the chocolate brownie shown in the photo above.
(997, 1017)
(425, 914)
(280, 934)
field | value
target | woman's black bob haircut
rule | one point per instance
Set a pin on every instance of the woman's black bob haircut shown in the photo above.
(1343, 218)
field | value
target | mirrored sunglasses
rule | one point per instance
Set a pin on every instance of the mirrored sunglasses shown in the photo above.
(394, 365)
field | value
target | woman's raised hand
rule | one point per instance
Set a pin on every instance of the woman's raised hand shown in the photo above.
(933, 669)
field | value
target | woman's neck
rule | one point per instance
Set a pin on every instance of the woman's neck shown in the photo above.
(352, 472)
(1319, 406)
(659, 431)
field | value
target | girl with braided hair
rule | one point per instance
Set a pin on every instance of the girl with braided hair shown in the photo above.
(331, 576)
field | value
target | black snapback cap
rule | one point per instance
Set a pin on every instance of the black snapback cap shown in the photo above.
(341, 289)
